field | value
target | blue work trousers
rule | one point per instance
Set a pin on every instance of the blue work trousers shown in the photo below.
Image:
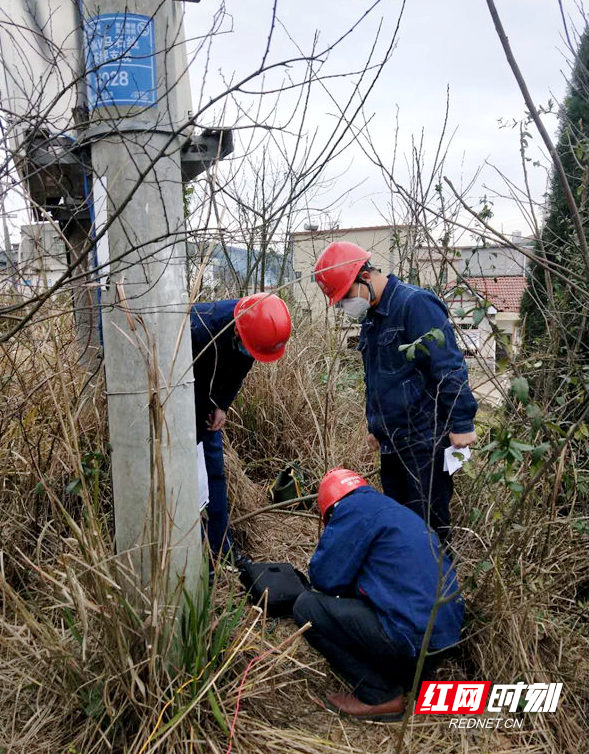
(349, 634)
(413, 475)
(217, 530)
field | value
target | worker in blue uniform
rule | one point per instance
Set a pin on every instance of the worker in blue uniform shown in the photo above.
(418, 401)
(380, 573)
(227, 337)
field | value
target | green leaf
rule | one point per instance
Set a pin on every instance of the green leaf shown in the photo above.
(540, 451)
(523, 446)
(521, 389)
(439, 336)
(74, 487)
(217, 713)
(469, 470)
(497, 455)
(533, 411)
(475, 515)
(580, 526)
(95, 706)
(478, 316)
(39, 488)
(70, 622)
(556, 428)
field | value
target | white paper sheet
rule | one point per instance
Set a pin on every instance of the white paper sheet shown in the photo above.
(203, 480)
(455, 458)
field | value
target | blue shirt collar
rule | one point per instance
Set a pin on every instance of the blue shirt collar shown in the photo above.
(388, 293)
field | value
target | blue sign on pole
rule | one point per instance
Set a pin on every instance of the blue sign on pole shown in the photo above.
(120, 60)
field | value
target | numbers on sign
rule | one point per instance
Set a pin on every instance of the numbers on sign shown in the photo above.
(113, 78)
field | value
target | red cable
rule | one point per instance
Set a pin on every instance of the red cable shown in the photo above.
(239, 693)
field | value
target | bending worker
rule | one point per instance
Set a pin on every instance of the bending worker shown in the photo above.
(224, 351)
(379, 570)
(418, 401)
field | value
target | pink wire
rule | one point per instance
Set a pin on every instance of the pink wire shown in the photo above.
(239, 693)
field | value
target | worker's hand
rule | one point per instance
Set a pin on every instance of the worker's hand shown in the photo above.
(217, 419)
(373, 443)
(462, 440)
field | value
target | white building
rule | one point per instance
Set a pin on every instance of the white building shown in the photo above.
(42, 256)
(385, 242)
(498, 333)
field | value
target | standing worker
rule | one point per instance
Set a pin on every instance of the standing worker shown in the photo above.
(227, 337)
(415, 408)
(380, 572)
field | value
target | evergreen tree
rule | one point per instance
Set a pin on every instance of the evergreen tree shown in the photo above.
(555, 314)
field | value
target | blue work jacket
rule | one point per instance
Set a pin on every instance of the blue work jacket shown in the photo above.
(220, 367)
(378, 549)
(426, 397)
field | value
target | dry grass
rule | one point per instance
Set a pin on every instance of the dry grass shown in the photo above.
(78, 669)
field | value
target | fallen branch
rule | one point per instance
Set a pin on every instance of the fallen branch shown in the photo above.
(285, 503)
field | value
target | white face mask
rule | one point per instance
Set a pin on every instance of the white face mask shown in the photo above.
(356, 308)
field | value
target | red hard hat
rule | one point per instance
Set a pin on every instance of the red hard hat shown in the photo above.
(337, 268)
(336, 484)
(263, 324)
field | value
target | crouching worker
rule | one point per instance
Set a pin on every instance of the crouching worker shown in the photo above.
(378, 570)
(224, 351)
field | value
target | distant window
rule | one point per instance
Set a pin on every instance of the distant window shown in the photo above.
(470, 339)
(298, 275)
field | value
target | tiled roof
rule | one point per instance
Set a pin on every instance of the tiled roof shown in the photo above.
(505, 293)
(341, 231)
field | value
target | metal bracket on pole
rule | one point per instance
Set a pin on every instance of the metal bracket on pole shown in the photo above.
(53, 169)
(201, 151)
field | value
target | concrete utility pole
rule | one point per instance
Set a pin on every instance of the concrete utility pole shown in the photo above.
(132, 76)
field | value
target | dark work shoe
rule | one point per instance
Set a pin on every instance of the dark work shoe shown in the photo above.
(349, 705)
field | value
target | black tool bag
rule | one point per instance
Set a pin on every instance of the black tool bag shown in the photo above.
(283, 582)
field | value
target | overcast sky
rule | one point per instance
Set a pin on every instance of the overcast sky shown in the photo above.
(441, 43)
